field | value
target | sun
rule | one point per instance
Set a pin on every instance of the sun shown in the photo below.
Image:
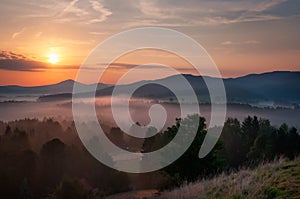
(53, 58)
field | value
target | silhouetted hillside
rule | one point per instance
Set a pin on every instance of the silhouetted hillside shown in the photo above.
(277, 87)
(281, 86)
(61, 87)
(274, 86)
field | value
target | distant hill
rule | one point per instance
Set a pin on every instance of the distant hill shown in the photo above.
(61, 87)
(278, 87)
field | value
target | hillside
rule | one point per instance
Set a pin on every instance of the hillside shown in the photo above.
(59, 88)
(279, 87)
(279, 179)
(276, 86)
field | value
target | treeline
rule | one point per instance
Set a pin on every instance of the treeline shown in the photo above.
(43, 159)
(242, 144)
(255, 140)
(46, 158)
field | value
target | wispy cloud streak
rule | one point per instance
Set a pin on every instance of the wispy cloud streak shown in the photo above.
(16, 34)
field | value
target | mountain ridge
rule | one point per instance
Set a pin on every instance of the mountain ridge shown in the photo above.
(65, 86)
(276, 86)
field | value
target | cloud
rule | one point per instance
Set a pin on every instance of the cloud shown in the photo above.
(241, 19)
(93, 12)
(17, 62)
(126, 66)
(230, 43)
(16, 34)
(98, 33)
(150, 8)
(102, 11)
(78, 11)
(175, 13)
(118, 65)
(71, 8)
(266, 5)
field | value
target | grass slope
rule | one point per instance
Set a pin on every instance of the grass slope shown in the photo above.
(279, 179)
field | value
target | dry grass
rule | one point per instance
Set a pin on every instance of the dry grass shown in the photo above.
(140, 194)
(279, 179)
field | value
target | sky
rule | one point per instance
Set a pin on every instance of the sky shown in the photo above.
(45, 41)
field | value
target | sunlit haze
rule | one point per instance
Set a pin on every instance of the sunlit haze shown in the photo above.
(50, 39)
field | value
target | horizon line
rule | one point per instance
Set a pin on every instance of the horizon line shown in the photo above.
(66, 80)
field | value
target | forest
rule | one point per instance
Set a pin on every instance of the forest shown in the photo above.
(46, 159)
